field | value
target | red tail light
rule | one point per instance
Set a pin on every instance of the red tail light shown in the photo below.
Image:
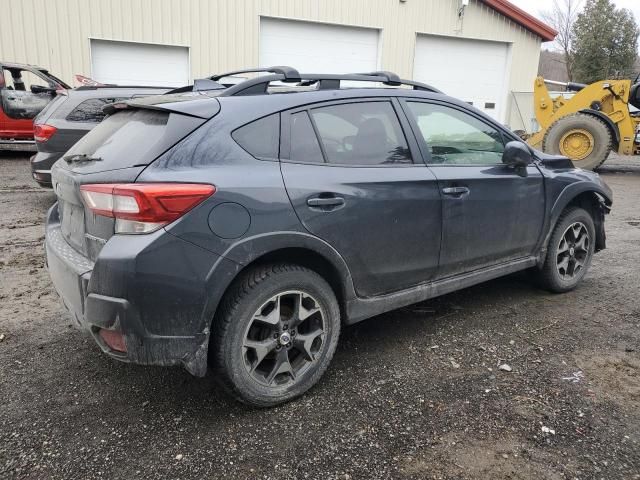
(144, 207)
(43, 132)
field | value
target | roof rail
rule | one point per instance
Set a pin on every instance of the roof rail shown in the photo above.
(199, 85)
(111, 85)
(290, 74)
(392, 78)
(259, 85)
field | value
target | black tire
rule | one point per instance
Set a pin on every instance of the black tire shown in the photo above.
(602, 139)
(551, 277)
(244, 370)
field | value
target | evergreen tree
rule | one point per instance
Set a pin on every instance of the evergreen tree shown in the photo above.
(605, 42)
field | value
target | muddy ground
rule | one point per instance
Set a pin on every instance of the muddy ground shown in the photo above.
(415, 393)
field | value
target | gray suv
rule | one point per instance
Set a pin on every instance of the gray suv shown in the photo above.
(69, 117)
(241, 227)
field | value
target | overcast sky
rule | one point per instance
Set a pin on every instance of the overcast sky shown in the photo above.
(534, 7)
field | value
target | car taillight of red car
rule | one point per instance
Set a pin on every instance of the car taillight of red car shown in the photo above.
(43, 132)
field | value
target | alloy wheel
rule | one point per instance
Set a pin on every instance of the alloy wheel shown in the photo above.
(573, 251)
(284, 338)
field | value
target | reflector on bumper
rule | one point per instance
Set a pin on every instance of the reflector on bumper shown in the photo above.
(113, 339)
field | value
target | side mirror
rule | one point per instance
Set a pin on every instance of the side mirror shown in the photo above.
(518, 156)
(41, 89)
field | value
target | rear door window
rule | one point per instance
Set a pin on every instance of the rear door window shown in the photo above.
(90, 111)
(304, 143)
(363, 133)
(261, 138)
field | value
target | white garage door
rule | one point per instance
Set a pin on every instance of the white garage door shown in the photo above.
(472, 70)
(127, 63)
(318, 48)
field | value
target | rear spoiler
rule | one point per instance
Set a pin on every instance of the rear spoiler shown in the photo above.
(197, 105)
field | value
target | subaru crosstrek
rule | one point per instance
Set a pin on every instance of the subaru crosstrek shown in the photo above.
(241, 226)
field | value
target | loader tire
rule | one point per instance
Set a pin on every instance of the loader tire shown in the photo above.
(585, 139)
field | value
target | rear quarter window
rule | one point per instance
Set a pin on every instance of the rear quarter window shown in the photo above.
(261, 138)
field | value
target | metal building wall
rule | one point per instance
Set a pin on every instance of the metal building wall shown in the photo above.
(224, 34)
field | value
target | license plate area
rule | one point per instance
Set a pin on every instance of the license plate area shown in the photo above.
(72, 224)
(64, 270)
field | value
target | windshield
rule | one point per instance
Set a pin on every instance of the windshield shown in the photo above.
(56, 79)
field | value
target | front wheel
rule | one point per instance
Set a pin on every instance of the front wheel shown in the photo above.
(570, 251)
(275, 334)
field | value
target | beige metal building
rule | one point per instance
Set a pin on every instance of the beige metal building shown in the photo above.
(477, 50)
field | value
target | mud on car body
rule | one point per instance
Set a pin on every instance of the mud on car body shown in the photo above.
(240, 227)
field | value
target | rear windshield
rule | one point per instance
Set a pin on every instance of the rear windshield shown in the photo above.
(124, 139)
(91, 111)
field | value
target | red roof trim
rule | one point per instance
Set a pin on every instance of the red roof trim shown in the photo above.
(521, 17)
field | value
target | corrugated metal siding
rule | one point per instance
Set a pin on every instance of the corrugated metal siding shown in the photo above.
(224, 34)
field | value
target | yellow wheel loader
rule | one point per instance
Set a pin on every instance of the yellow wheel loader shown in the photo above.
(590, 124)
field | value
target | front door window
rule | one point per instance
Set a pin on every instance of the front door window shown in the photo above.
(455, 137)
(18, 102)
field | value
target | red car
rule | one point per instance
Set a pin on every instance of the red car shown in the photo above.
(24, 91)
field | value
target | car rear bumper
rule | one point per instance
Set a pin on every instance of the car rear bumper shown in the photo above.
(41, 164)
(17, 144)
(70, 272)
(163, 312)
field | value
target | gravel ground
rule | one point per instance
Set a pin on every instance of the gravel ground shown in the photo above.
(416, 393)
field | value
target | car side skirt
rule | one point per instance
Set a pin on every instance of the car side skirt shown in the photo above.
(362, 308)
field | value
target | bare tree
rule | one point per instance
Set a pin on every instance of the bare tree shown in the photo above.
(561, 17)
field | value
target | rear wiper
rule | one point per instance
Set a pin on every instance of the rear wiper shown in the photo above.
(81, 157)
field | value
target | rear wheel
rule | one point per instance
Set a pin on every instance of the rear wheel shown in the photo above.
(570, 251)
(275, 334)
(585, 139)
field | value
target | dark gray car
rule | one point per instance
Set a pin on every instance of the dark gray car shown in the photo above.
(242, 227)
(69, 117)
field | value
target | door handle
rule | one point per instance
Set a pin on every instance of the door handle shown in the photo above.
(326, 203)
(456, 191)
